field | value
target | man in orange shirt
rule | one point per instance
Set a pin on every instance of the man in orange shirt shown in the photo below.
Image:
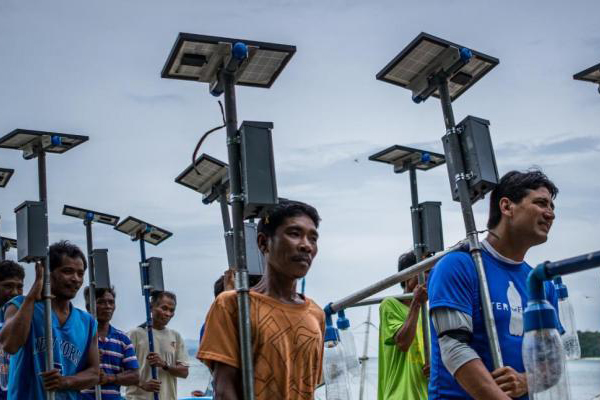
(287, 327)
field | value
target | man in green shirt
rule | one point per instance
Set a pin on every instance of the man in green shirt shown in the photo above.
(402, 371)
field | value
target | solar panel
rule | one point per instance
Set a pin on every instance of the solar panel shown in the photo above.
(402, 158)
(51, 142)
(427, 55)
(9, 243)
(591, 74)
(5, 174)
(96, 216)
(199, 57)
(208, 172)
(134, 227)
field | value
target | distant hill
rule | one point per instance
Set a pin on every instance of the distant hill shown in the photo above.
(590, 343)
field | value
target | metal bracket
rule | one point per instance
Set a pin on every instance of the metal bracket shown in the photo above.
(148, 287)
(144, 264)
(228, 233)
(463, 176)
(234, 140)
(237, 197)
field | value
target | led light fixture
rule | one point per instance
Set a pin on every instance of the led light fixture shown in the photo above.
(90, 215)
(208, 174)
(135, 227)
(32, 141)
(425, 57)
(199, 58)
(402, 158)
(9, 243)
(5, 174)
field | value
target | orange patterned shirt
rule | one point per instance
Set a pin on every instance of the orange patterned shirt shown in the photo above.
(287, 341)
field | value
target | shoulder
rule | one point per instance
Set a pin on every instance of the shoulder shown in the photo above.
(314, 308)
(135, 333)
(15, 301)
(120, 335)
(390, 303)
(226, 299)
(457, 262)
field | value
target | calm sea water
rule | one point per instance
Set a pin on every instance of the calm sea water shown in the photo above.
(584, 377)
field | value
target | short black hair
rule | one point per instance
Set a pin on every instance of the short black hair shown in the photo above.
(272, 218)
(10, 269)
(515, 185)
(220, 283)
(64, 248)
(157, 295)
(406, 260)
(99, 293)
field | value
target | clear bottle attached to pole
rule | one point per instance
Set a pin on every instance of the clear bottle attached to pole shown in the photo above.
(543, 354)
(348, 344)
(337, 384)
(566, 314)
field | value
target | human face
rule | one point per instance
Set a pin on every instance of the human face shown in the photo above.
(290, 252)
(67, 279)
(10, 288)
(162, 312)
(531, 218)
(105, 307)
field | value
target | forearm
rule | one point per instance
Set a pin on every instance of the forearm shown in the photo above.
(127, 378)
(16, 328)
(178, 370)
(406, 334)
(477, 381)
(82, 380)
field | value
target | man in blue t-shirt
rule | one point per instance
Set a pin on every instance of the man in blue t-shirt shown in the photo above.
(75, 345)
(118, 362)
(520, 217)
(11, 285)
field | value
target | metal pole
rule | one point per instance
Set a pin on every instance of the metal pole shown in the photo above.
(92, 283)
(2, 250)
(364, 359)
(469, 220)
(392, 280)
(227, 232)
(377, 300)
(47, 291)
(146, 286)
(239, 246)
(418, 249)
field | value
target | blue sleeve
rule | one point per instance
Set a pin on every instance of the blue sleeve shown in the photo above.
(553, 299)
(453, 283)
(129, 358)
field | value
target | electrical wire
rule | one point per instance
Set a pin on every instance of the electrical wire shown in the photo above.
(194, 155)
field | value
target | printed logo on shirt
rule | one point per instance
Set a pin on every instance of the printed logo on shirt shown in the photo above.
(68, 350)
(515, 307)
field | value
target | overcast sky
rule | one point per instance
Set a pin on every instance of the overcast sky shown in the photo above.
(93, 68)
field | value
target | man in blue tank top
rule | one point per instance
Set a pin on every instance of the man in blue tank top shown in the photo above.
(521, 214)
(11, 285)
(75, 344)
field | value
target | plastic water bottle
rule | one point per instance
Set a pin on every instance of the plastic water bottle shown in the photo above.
(337, 385)
(543, 354)
(570, 339)
(348, 344)
(515, 326)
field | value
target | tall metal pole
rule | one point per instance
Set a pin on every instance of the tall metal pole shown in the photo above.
(227, 231)
(239, 247)
(418, 249)
(47, 291)
(2, 250)
(469, 220)
(146, 286)
(87, 222)
(364, 359)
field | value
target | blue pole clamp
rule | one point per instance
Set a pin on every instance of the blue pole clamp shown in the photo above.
(89, 216)
(56, 140)
(342, 322)
(425, 157)
(239, 51)
(417, 99)
(465, 54)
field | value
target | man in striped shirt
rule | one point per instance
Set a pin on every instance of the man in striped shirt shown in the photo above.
(118, 363)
